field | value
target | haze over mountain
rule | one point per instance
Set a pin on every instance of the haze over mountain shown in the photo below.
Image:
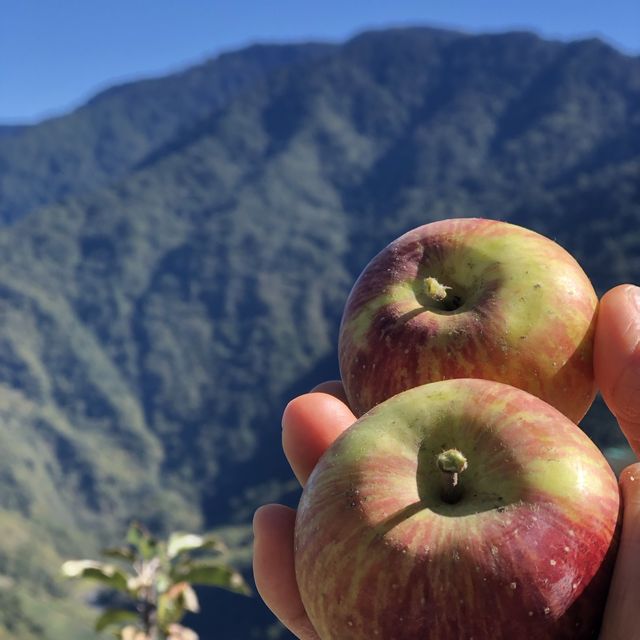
(177, 253)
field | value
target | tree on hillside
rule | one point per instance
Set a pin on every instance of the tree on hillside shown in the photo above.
(155, 580)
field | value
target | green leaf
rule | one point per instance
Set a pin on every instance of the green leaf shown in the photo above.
(213, 543)
(108, 574)
(142, 541)
(170, 609)
(115, 616)
(163, 581)
(120, 553)
(180, 542)
(172, 604)
(212, 574)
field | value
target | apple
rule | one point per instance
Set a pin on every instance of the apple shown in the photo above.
(471, 298)
(456, 510)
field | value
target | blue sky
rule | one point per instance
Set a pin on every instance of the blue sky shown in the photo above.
(54, 55)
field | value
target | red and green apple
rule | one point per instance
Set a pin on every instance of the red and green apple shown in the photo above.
(471, 298)
(458, 509)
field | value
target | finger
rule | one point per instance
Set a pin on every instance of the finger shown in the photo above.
(617, 358)
(621, 614)
(273, 568)
(309, 425)
(333, 388)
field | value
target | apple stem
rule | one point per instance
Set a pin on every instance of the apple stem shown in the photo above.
(451, 463)
(434, 289)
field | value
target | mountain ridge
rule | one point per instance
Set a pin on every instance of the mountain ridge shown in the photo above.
(104, 137)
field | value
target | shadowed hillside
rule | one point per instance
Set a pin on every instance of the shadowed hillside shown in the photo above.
(156, 320)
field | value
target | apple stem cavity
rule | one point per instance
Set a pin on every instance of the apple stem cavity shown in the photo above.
(451, 463)
(435, 290)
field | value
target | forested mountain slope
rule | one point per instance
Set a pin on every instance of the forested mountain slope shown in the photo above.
(105, 139)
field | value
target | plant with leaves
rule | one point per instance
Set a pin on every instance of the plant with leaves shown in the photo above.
(157, 578)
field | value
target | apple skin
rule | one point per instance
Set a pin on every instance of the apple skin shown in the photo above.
(526, 317)
(527, 551)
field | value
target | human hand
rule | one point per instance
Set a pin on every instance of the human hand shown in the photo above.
(313, 421)
(309, 425)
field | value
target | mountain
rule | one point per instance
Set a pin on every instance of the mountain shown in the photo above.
(10, 130)
(105, 139)
(156, 314)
